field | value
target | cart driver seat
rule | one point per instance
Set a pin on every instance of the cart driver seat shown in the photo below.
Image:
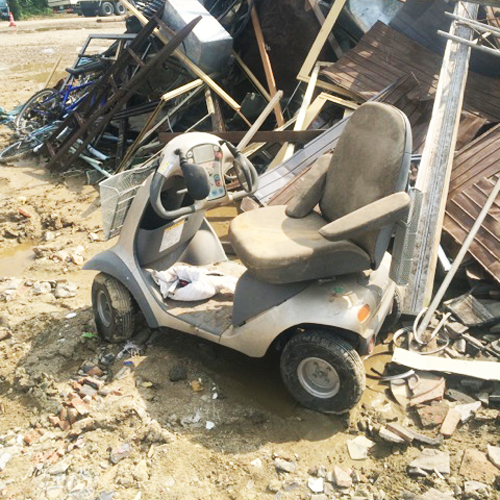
(343, 216)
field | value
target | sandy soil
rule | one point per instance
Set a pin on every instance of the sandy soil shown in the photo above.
(46, 342)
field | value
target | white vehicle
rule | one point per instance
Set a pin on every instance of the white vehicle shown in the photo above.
(316, 287)
(62, 4)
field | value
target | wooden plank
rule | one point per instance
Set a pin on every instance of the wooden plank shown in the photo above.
(267, 136)
(266, 63)
(384, 54)
(485, 370)
(321, 39)
(435, 168)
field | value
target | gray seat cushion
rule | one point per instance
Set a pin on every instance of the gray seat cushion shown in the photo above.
(280, 249)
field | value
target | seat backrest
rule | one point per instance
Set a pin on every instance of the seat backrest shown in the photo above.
(371, 161)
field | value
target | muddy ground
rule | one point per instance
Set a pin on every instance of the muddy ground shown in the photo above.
(216, 433)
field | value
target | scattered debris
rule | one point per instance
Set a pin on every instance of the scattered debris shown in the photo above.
(359, 447)
(476, 466)
(119, 453)
(284, 465)
(431, 460)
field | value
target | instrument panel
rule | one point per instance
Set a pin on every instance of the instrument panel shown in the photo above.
(209, 156)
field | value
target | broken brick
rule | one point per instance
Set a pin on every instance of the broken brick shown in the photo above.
(437, 392)
(94, 372)
(342, 479)
(72, 415)
(75, 385)
(81, 407)
(54, 420)
(24, 213)
(81, 426)
(450, 422)
(86, 390)
(31, 437)
(64, 425)
(475, 465)
(432, 415)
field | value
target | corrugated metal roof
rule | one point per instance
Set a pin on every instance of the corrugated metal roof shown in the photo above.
(476, 169)
(383, 55)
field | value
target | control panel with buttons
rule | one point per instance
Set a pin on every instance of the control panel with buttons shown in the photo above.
(209, 156)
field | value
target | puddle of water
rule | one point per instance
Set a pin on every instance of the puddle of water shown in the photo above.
(14, 261)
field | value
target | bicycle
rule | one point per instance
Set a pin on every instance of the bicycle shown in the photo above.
(49, 105)
(33, 141)
(30, 142)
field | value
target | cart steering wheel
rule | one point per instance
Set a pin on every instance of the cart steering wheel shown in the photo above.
(197, 183)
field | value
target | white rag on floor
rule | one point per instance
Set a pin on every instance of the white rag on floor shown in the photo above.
(201, 284)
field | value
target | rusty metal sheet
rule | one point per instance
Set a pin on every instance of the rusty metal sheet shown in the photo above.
(383, 55)
(476, 169)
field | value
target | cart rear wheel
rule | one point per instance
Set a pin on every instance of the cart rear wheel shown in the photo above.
(323, 372)
(392, 320)
(114, 310)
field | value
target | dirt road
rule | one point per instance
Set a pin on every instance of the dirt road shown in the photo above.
(216, 433)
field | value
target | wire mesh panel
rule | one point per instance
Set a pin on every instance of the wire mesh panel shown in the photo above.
(117, 194)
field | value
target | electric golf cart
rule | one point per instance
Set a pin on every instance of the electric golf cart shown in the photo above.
(314, 281)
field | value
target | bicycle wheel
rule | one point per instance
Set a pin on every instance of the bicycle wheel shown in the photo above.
(43, 108)
(18, 149)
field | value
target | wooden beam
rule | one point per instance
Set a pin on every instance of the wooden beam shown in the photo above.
(300, 124)
(435, 167)
(187, 62)
(332, 87)
(168, 96)
(266, 62)
(321, 18)
(321, 39)
(268, 136)
(260, 120)
(341, 102)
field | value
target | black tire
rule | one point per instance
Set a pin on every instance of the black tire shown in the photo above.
(107, 9)
(114, 310)
(120, 9)
(392, 320)
(18, 150)
(341, 389)
(40, 110)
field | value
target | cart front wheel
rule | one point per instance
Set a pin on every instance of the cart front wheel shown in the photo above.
(323, 372)
(114, 310)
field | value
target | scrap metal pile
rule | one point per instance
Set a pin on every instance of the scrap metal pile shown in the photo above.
(180, 66)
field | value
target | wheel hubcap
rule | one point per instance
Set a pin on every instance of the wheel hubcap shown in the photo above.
(104, 308)
(318, 377)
